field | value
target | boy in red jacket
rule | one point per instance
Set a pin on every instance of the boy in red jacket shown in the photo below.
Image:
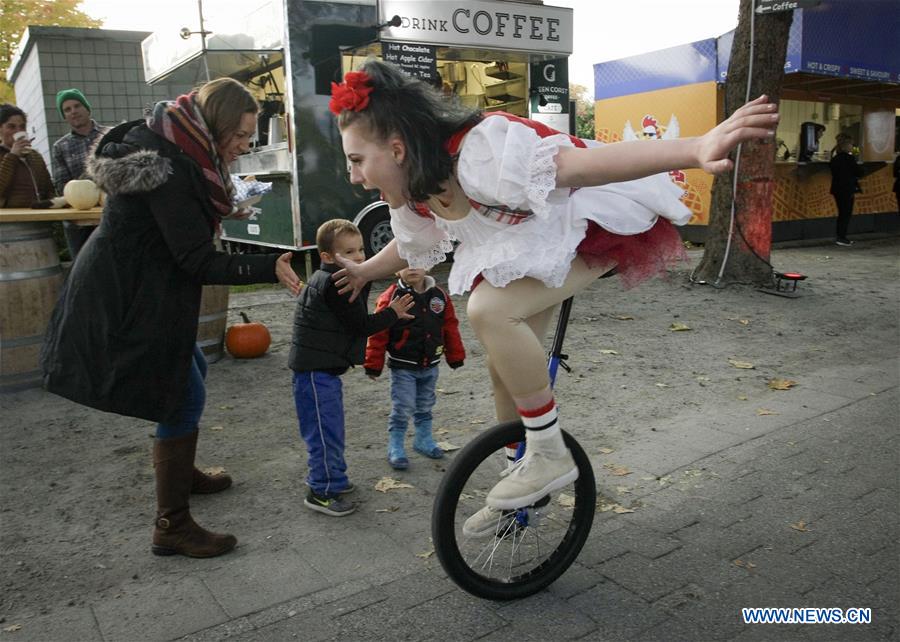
(414, 348)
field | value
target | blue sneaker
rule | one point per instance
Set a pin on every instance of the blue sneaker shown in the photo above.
(334, 506)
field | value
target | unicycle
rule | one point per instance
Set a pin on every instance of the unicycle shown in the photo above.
(525, 549)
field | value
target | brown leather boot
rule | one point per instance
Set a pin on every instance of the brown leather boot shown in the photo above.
(204, 483)
(176, 532)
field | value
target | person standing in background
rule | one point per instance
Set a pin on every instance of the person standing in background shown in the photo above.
(70, 154)
(845, 175)
(24, 179)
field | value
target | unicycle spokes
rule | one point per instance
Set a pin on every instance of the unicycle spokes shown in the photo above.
(520, 551)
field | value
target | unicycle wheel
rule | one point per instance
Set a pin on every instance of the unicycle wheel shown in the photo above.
(518, 552)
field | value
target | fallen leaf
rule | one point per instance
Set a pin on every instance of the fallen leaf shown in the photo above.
(747, 565)
(662, 385)
(744, 321)
(618, 471)
(622, 490)
(389, 509)
(742, 397)
(567, 501)
(607, 351)
(217, 428)
(226, 407)
(781, 384)
(12, 628)
(623, 317)
(385, 484)
(678, 327)
(606, 451)
(214, 470)
(477, 421)
(765, 411)
(426, 554)
(741, 364)
(447, 447)
(621, 510)
(800, 526)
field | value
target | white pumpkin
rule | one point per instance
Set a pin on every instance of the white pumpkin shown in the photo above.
(82, 194)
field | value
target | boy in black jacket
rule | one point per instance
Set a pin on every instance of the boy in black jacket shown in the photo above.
(330, 336)
(414, 349)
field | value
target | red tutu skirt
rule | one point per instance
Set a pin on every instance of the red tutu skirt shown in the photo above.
(637, 257)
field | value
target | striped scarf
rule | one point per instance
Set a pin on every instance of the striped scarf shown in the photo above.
(181, 123)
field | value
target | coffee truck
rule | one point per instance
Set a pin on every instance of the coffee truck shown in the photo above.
(496, 55)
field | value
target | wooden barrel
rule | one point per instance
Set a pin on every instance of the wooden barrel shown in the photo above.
(213, 319)
(30, 280)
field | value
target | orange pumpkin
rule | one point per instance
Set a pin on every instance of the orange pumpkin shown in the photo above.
(247, 340)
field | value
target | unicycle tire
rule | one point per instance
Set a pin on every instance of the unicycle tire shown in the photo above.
(529, 548)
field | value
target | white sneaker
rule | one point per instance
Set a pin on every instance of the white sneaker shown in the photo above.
(530, 479)
(483, 523)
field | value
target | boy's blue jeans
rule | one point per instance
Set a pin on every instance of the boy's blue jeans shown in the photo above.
(412, 395)
(187, 418)
(319, 399)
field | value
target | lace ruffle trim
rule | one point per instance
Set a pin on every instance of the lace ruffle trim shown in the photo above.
(542, 176)
(428, 257)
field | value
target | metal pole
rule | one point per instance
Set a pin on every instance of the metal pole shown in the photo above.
(203, 40)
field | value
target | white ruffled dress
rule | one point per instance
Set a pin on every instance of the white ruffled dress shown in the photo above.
(507, 163)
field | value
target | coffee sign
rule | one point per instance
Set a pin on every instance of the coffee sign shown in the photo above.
(550, 87)
(485, 24)
(773, 6)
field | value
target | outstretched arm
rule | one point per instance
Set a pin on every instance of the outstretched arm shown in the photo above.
(353, 277)
(629, 160)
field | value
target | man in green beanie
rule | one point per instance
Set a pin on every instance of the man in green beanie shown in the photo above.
(70, 154)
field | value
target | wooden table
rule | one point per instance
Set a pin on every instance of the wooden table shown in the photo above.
(28, 215)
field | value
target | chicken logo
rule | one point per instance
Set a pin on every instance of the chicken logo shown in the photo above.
(652, 130)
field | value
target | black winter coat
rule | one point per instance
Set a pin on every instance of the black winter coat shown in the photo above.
(122, 335)
(330, 330)
(845, 174)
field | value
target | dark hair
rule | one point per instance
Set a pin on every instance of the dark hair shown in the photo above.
(7, 111)
(223, 102)
(420, 115)
(330, 230)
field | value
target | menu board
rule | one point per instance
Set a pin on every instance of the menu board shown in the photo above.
(419, 61)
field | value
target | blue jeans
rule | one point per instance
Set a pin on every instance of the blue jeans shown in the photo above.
(412, 395)
(187, 418)
(319, 399)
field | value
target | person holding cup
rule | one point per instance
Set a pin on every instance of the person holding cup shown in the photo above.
(24, 179)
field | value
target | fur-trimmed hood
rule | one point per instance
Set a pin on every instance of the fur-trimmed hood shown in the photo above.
(127, 160)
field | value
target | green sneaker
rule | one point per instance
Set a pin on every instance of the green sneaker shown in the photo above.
(334, 506)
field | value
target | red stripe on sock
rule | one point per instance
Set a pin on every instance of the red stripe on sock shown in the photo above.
(537, 412)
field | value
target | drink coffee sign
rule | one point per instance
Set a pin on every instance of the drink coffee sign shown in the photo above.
(419, 61)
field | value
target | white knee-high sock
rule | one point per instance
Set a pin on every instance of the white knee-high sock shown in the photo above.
(542, 432)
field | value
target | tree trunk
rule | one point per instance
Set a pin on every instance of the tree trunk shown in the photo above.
(747, 258)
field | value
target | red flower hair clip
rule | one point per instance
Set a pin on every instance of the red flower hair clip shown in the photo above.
(352, 94)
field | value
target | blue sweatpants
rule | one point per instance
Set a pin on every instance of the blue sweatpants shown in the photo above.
(319, 399)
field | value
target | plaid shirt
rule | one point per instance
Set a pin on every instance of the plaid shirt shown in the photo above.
(70, 154)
